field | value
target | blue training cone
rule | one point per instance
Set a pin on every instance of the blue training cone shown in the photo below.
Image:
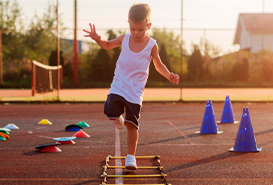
(227, 114)
(209, 125)
(245, 140)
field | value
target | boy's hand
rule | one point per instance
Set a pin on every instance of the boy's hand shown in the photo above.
(174, 78)
(93, 34)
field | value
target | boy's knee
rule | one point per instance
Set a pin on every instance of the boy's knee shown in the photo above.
(109, 114)
(112, 112)
(131, 125)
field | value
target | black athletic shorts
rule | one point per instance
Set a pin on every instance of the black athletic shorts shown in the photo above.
(115, 105)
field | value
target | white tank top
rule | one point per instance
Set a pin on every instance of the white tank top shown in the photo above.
(132, 70)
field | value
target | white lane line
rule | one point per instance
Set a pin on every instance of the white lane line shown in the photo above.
(118, 162)
(181, 133)
(38, 128)
(45, 137)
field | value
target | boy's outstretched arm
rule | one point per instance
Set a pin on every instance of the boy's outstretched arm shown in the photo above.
(161, 68)
(103, 43)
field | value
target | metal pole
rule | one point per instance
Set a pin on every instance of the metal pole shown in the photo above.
(58, 50)
(75, 49)
(181, 51)
(262, 40)
(1, 58)
(262, 49)
(33, 81)
(205, 42)
(1, 65)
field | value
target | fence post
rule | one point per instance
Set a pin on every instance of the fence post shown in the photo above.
(33, 82)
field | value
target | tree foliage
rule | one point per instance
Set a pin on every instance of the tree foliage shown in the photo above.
(11, 25)
(103, 65)
(40, 39)
(23, 42)
(195, 65)
(240, 70)
(52, 60)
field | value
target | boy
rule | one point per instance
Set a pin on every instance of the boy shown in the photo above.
(131, 74)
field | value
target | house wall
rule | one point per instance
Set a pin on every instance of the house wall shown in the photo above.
(245, 40)
(256, 43)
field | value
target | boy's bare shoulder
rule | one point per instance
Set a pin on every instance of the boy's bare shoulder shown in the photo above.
(155, 47)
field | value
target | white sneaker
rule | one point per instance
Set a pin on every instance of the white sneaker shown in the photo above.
(119, 122)
(130, 162)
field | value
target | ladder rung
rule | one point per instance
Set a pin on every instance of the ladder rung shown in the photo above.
(139, 184)
(139, 167)
(154, 175)
(137, 157)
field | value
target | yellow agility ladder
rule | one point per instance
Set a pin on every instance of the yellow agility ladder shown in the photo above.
(159, 167)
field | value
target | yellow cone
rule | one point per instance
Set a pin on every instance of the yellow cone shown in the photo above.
(45, 122)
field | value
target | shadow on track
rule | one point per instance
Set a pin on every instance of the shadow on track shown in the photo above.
(214, 158)
(31, 153)
(171, 139)
(264, 132)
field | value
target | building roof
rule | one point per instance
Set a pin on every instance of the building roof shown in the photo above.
(255, 23)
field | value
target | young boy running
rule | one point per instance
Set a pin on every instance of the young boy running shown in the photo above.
(131, 74)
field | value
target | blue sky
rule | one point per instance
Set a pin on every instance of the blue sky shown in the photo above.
(215, 20)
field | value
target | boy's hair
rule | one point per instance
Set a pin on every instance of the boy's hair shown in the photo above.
(139, 12)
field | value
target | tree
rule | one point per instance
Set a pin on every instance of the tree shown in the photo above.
(52, 60)
(169, 51)
(171, 42)
(100, 67)
(40, 39)
(195, 65)
(172, 46)
(11, 25)
(240, 70)
(103, 65)
(208, 49)
(12, 41)
(266, 70)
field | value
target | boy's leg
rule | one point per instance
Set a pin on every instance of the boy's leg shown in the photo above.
(132, 138)
(131, 122)
(113, 108)
(119, 122)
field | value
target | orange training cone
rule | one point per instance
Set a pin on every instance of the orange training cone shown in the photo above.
(81, 134)
(49, 148)
(6, 136)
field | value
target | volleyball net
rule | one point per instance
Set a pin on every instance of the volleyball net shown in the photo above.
(44, 78)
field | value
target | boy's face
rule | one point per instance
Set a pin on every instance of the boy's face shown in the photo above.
(139, 30)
